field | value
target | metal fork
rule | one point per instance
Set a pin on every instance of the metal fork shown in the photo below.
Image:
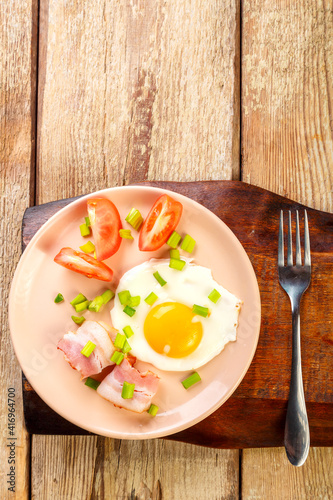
(295, 280)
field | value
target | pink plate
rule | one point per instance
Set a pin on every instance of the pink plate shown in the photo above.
(37, 323)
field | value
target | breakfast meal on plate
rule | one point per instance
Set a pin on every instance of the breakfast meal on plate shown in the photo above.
(169, 313)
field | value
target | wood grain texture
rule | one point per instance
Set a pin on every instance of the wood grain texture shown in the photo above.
(268, 475)
(130, 91)
(94, 468)
(287, 98)
(135, 90)
(287, 147)
(258, 407)
(17, 84)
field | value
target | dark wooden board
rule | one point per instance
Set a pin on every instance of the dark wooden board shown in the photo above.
(254, 415)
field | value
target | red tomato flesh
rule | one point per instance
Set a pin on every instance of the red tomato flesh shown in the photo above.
(105, 224)
(161, 221)
(83, 263)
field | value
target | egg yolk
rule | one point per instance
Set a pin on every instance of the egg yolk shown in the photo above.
(169, 329)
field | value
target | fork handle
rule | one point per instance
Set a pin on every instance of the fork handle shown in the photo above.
(297, 433)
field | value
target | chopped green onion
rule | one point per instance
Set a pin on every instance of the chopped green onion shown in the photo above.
(107, 296)
(124, 297)
(135, 219)
(78, 319)
(128, 331)
(82, 306)
(87, 221)
(188, 244)
(59, 298)
(214, 296)
(88, 349)
(96, 304)
(88, 247)
(134, 301)
(159, 278)
(85, 230)
(174, 254)
(153, 409)
(127, 390)
(121, 343)
(200, 310)
(78, 299)
(117, 357)
(192, 379)
(119, 340)
(177, 264)
(126, 348)
(126, 234)
(91, 382)
(174, 240)
(129, 311)
(152, 297)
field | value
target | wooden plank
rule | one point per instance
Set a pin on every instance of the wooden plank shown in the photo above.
(257, 409)
(287, 99)
(130, 91)
(136, 90)
(94, 467)
(287, 70)
(17, 110)
(266, 473)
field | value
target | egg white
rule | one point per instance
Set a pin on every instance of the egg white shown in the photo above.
(190, 286)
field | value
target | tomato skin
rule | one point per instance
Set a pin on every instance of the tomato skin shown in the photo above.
(83, 263)
(105, 224)
(161, 221)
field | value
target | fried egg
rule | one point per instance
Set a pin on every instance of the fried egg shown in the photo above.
(167, 333)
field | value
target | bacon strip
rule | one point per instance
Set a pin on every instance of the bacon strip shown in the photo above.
(146, 385)
(72, 344)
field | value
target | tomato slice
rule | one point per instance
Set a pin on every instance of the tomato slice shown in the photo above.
(105, 224)
(161, 221)
(84, 264)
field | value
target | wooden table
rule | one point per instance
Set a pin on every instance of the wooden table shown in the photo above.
(110, 93)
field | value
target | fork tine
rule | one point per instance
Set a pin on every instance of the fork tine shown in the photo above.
(298, 243)
(290, 244)
(307, 257)
(281, 246)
